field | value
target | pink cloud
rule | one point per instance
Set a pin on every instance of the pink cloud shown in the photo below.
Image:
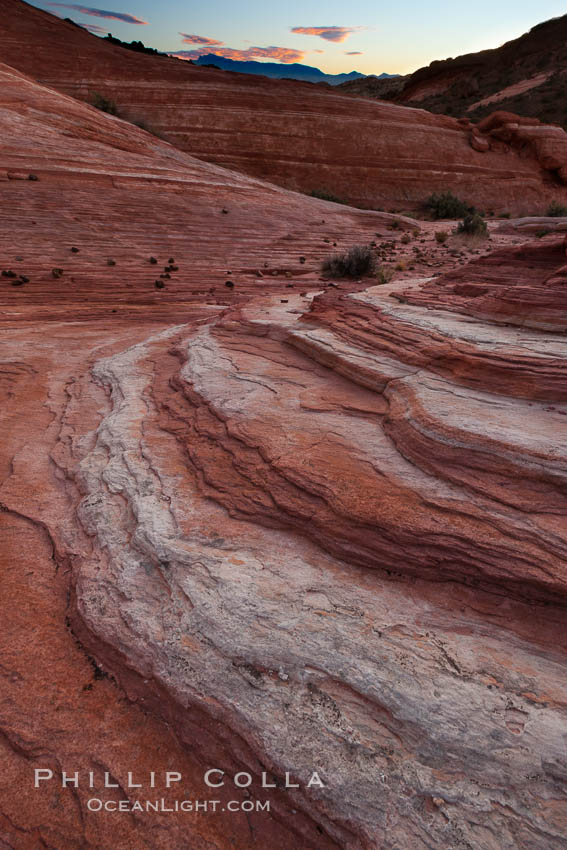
(278, 54)
(100, 13)
(200, 39)
(336, 34)
(317, 51)
(352, 52)
(94, 28)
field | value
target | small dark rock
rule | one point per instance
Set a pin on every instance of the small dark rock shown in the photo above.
(56, 272)
(74, 250)
(225, 211)
(302, 260)
(153, 261)
(283, 300)
(171, 260)
(159, 284)
(110, 262)
(230, 284)
(33, 177)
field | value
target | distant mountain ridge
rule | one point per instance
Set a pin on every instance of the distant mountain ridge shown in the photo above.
(276, 70)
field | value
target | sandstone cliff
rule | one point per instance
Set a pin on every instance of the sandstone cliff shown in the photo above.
(298, 135)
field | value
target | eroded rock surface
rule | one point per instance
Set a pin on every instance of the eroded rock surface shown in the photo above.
(302, 527)
(298, 135)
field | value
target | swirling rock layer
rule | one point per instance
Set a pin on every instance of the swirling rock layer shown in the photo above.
(276, 527)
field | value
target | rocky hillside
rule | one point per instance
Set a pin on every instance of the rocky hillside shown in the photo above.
(297, 135)
(526, 76)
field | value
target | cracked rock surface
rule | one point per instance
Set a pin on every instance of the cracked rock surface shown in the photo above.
(274, 528)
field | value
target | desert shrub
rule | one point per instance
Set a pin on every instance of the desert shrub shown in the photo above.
(557, 210)
(384, 274)
(473, 225)
(406, 239)
(356, 262)
(323, 195)
(99, 101)
(446, 205)
(441, 236)
(539, 234)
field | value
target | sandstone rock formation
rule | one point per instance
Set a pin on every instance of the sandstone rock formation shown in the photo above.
(273, 527)
(514, 286)
(297, 135)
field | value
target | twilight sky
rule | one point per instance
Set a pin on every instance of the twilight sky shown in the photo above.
(361, 35)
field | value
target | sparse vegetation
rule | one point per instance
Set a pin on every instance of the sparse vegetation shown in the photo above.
(557, 210)
(384, 274)
(323, 195)
(105, 104)
(441, 236)
(136, 46)
(358, 261)
(447, 205)
(473, 225)
(406, 238)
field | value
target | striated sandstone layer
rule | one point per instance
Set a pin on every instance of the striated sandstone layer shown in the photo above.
(523, 286)
(298, 135)
(278, 527)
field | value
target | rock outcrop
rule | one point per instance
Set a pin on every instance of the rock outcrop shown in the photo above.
(298, 135)
(275, 527)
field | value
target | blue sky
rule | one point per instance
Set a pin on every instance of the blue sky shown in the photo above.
(362, 35)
